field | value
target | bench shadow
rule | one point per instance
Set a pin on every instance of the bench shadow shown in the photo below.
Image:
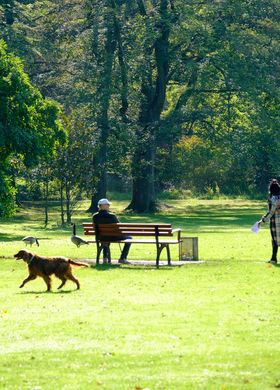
(130, 267)
(105, 267)
(149, 268)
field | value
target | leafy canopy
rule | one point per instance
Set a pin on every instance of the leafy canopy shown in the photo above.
(29, 124)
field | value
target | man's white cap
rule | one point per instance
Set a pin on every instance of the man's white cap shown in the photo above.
(103, 201)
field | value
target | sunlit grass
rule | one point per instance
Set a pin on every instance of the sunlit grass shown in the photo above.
(208, 326)
(222, 226)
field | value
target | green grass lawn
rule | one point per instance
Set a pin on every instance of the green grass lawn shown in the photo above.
(209, 326)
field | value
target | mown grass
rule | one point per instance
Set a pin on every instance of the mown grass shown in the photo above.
(209, 326)
(223, 228)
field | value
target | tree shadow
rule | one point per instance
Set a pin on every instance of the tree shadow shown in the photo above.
(194, 218)
(203, 218)
(7, 237)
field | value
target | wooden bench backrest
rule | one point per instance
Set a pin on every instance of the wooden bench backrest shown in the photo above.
(129, 229)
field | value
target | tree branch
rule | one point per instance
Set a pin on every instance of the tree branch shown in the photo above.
(141, 7)
(123, 67)
(172, 5)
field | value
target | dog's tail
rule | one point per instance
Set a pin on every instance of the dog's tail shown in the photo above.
(77, 263)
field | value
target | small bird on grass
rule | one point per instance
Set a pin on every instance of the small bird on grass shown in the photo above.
(30, 240)
(78, 241)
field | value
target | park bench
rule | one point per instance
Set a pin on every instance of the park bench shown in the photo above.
(159, 235)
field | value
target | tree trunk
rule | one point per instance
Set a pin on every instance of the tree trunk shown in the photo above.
(14, 182)
(105, 92)
(68, 205)
(61, 204)
(46, 203)
(143, 190)
(100, 192)
(143, 166)
(123, 69)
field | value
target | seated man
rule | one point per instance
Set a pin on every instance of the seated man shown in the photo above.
(103, 216)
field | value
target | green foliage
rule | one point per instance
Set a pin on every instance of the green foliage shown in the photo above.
(195, 163)
(7, 196)
(176, 193)
(142, 76)
(29, 124)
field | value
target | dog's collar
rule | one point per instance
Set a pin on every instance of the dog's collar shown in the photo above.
(30, 261)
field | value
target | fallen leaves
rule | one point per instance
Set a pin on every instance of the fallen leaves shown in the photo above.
(141, 388)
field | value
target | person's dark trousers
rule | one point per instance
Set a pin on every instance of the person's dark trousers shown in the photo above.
(106, 251)
(124, 254)
(274, 251)
(126, 248)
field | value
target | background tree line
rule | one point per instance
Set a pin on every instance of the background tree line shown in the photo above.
(164, 94)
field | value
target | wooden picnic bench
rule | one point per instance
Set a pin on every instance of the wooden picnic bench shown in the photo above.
(160, 236)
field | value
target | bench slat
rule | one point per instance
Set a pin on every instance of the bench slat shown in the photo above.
(126, 226)
(127, 233)
(133, 233)
(132, 241)
(165, 225)
(134, 230)
(131, 225)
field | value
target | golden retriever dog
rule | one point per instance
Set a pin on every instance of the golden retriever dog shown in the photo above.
(46, 266)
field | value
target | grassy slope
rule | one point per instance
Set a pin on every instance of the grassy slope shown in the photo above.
(212, 326)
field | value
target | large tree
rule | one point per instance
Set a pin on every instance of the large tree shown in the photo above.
(153, 86)
(100, 22)
(201, 59)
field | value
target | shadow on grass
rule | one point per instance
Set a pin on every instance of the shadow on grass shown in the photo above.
(105, 267)
(201, 218)
(108, 267)
(149, 268)
(46, 292)
(9, 237)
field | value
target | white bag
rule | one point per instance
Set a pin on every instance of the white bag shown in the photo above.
(255, 228)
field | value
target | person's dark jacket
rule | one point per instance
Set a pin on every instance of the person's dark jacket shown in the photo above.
(104, 217)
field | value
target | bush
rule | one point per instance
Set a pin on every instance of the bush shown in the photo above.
(7, 197)
(176, 193)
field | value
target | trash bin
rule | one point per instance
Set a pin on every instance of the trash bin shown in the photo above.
(189, 249)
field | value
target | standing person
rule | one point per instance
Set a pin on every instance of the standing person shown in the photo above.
(273, 216)
(103, 216)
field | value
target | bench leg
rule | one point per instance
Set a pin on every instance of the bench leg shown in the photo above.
(157, 259)
(159, 250)
(168, 254)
